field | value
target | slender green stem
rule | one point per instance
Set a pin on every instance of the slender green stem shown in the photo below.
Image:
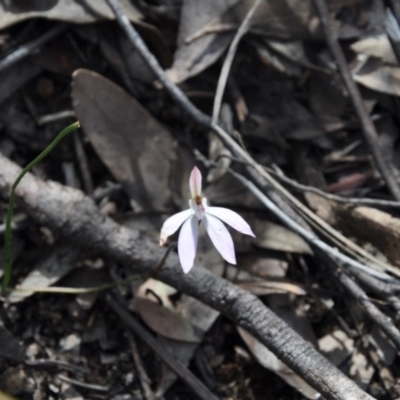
(10, 211)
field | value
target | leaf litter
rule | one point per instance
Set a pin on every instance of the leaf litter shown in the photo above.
(285, 102)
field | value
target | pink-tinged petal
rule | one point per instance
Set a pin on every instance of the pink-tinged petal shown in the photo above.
(172, 224)
(232, 219)
(220, 237)
(195, 182)
(187, 243)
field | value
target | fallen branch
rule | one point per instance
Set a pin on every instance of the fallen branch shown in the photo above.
(75, 216)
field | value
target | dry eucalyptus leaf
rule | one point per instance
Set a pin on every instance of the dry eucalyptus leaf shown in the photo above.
(376, 46)
(77, 12)
(179, 324)
(138, 151)
(379, 77)
(262, 288)
(276, 237)
(385, 79)
(269, 57)
(155, 307)
(191, 59)
(47, 271)
(263, 267)
(207, 28)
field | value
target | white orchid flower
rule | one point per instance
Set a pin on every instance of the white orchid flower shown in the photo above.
(211, 217)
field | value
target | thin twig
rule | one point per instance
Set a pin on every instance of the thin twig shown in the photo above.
(83, 164)
(74, 291)
(374, 313)
(329, 196)
(28, 48)
(143, 377)
(223, 77)
(46, 119)
(84, 385)
(370, 133)
(197, 386)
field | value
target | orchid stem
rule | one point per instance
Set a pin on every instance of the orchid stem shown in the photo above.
(10, 211)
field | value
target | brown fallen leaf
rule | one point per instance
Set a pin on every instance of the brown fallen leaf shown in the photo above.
(180, 325)
(138, 151)
(276, 237)
(155, 307)
(191, 59)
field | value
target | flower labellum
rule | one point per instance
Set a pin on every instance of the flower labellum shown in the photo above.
(211, 218)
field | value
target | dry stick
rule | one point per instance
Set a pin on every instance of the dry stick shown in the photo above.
(370, 133)
(83, 164)
(28, 48)
(382, 289)
(71, 214)
(197, 386)
(144, 379)
(259, 173)
(374, 313)
(223, 77)
(329, 196)
(57, 116)
(84, 385)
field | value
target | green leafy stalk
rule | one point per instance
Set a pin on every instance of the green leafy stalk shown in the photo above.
(10, 211)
